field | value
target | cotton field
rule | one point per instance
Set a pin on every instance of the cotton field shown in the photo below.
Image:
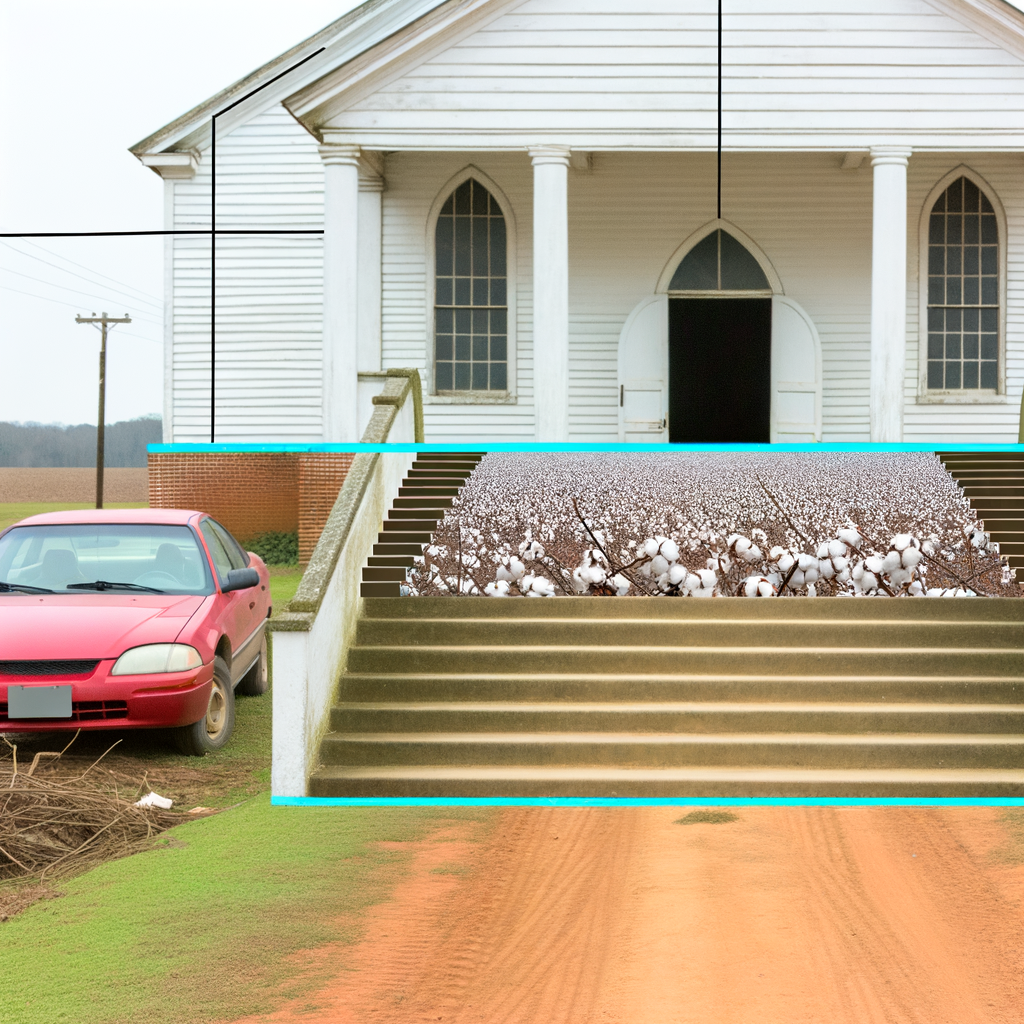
(711, 525)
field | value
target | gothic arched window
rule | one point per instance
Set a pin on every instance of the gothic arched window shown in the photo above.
(471, 293)
(963, 291)
(719, 263)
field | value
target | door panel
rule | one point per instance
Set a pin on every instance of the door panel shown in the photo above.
(796, 375)
(643, 373)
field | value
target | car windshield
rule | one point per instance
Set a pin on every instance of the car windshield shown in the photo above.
(59, 558)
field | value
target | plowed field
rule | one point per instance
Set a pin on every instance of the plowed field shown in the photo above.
(78, 484)
(624, 916)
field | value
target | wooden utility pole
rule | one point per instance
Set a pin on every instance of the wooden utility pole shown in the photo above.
(104, 322)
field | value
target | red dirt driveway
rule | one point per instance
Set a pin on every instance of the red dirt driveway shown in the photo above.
(622, 916)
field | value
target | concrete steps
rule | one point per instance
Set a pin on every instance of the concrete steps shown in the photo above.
(433, 481)
(993, 482)
(585, 697)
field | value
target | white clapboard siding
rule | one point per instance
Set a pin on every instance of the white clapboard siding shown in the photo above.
(269, 290)
(795, 71)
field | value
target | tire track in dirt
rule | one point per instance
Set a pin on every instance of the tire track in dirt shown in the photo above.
(623, 916)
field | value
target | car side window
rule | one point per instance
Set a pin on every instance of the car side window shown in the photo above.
(239, 559)
(217, 552)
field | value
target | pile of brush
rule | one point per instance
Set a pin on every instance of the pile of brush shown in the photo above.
(52, 825)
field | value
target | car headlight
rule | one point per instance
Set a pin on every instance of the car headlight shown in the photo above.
(153, 658)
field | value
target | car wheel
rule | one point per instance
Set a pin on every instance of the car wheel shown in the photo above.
(255, 682)
(213, 730)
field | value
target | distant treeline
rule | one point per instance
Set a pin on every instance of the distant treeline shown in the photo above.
(49, 444)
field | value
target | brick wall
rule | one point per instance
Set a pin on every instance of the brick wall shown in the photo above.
(250, 493)
(321, 475)
(253, 492)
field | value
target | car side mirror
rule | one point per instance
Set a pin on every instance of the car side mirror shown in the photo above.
(240, 579)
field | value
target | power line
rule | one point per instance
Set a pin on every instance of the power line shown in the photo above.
(57, 302)
(64, 288)
(153, 300)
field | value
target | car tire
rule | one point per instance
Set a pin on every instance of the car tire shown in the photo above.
(255, 681)
(214, 729)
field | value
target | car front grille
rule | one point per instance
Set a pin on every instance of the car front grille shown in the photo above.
(82, 711)
(47, 668)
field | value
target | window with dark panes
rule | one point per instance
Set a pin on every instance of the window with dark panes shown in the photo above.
(471, 293)
(963, 291)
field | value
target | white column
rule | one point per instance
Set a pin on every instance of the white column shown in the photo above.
(368, 347)
(888, 291)
(551, 291)
(341, 292)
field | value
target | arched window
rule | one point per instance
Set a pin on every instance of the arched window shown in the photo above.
(717, 263)
(963, 291)
(471, 293)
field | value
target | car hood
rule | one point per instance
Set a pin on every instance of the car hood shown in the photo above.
(85, 626)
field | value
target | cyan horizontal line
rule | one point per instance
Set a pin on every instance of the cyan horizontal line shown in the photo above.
(162, 449)
(568, 801)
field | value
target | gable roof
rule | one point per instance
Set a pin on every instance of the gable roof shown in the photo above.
(380, 37)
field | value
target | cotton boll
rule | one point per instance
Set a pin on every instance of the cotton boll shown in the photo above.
(743, 544)
(805, 562)
(708, 578)
(869, 581)
(841, 564)
(543, 587)
(836, 548)
(786, 562)
(851, 537)
(659, 565)
(669, 550)
(825, 569)
(796, 581)
(676, 574)
(916, 589)
(621, 585)
(651, 547)
(503, 574)
(526, 583)
(873, 564)
(823, 551)
(891, 561)
(811, 575)
(811, 590)
(498, 589)
(902, 541)
(516, 568)
(753, 554)
(776, 553)
(911, 557)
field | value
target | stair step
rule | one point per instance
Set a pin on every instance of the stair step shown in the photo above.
(412, 515)
(667, 783)
(383, 574)
(602, 634)
(397, 548)
(422, 503)
(427, 492)
(405, 560)
(665, 660)
(404, 536)
(663, 750)
(529, 685)
(676, 716)
(380, 589)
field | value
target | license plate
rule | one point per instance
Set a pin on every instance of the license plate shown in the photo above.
(38, 701)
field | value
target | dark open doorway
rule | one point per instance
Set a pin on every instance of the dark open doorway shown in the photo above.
(719, 370)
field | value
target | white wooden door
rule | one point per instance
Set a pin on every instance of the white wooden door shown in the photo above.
(796, 375)
(643, 373)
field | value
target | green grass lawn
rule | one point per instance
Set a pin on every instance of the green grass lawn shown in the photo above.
(12, 511)
(197, 929)
(284, 581)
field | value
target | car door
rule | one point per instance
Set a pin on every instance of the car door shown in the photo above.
(236, 615)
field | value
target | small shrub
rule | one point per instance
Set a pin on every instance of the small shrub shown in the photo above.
(275, 548)
(706, 818)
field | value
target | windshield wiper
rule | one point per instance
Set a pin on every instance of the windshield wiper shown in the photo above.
(8, 588)
(106, 585)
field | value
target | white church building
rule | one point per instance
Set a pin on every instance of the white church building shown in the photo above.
(520, 199)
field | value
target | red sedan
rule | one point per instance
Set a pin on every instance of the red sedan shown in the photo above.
(132, 618)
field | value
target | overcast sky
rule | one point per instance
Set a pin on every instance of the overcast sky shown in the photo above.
(81, 81)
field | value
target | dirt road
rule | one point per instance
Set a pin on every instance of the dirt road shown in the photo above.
(622, 916)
